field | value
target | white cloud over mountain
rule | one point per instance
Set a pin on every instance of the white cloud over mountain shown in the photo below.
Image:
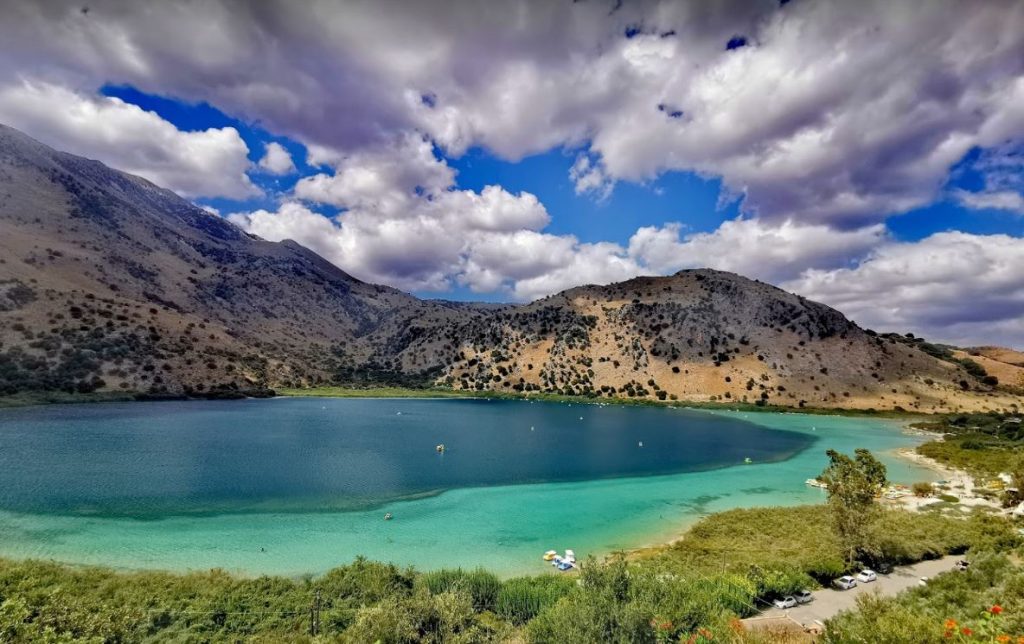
(953, 286)
(207, 163)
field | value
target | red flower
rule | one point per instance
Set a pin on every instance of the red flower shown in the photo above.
(966, 631)
(995, 610)
(950, 624)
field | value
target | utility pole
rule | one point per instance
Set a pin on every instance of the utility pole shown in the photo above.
(314, 615)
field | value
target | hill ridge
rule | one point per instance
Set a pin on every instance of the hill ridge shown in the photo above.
(111, 283)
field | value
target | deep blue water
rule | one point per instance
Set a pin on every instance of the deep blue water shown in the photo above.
(312, 454)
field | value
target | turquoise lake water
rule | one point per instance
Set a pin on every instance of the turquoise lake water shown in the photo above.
(299, 485)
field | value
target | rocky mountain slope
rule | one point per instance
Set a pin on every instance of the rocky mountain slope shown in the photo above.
(110, 283)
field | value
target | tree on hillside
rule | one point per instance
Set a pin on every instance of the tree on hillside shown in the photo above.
(853, 484)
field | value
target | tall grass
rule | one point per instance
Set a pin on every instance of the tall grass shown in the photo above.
(481, 585)
(523, 598)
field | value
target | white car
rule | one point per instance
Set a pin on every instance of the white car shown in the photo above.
(846, 583)
(786, 602)
(804, 597)
(866, 576)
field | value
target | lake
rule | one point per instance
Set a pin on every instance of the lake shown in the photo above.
(299, 485)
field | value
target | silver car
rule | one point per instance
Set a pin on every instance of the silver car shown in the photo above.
(846, 583)
(786, 602)
(804, 597)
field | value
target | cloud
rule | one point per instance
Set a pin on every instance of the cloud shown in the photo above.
(833, 112)
(952, 286)
(599, 263)
(754, 248)
(589, 177)
(209, 163)
(404, 223)
(1001, 169)
(277, 160)
(387, 178)
(984, 200)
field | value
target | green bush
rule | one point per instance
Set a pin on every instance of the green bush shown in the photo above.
(523, 598)
(721, 568)
(481, 585)
(922, 488)
(920, 614)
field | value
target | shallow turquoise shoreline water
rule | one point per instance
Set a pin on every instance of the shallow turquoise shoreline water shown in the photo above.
(504, 528)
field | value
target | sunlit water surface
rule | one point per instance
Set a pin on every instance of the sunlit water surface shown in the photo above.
(299, 485)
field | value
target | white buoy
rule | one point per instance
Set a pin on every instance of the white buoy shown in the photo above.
(531, 428)
(641, 443)
(581, 417)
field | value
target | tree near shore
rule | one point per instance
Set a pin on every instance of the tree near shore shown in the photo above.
(853, 484)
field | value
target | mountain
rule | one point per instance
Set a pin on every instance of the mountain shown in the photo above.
(110, 283)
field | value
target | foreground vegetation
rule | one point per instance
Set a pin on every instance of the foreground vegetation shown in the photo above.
(983, 444)
(728, 565)
(985, 603)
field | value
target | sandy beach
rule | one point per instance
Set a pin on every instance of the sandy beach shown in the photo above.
(958, 483)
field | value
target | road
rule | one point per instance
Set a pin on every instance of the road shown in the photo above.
(827, 602)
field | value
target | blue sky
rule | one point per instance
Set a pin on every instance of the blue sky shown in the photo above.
(676, 196)
(867, 155)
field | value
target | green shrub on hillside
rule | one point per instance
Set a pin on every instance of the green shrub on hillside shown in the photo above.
(483, 587)
(523, 598)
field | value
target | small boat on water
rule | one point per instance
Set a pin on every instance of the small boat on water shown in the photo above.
(570, 556)
(440, 448)
(549, 555)
(816, 483)
(747, 460)
(388, 517)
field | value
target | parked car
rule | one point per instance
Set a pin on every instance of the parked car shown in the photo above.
(846, 583)
(963, 564)
(866, 576)
(804, 597)
(786, 602)
(884, 568)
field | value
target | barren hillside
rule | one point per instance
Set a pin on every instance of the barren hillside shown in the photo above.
(110, 283)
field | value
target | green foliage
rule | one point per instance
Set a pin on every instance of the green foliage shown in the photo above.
(973, 368)
(725, 566)
(922, 614)
(797, 544)
(852, 487)
(483, 587)
(922, 488)
(523, 598)
(422, 617)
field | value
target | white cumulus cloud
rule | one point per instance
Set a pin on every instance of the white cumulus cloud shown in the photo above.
(208, 163)
(951, 286)
(277, 160)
